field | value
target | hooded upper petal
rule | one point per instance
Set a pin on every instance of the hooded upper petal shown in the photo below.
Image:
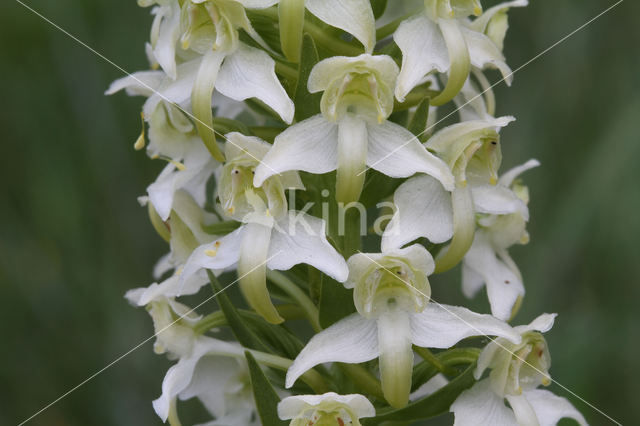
(352, 16)
(250, 73)
(423, 209)
(353, 339)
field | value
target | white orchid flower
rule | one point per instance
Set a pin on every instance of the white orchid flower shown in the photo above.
(442, 39)
(352, 131)
(271, 237)
(326, 409)
(215, 373)
(352, 16)
(488, 262)
(391, 294)
(425, 209)
(516, 372)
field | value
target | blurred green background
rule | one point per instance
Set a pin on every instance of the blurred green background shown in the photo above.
(73, 238)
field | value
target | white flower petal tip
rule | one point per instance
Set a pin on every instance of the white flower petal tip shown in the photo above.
(353, 16)
(442, 326)
(543, 323)
(343, 408)
(353, 340)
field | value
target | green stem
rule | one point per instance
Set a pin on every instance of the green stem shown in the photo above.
(352, 238)
(319, 34)
(428, 356)
(266, 132)
(363, 379)
(286, 70)
(390, 28)
(289, 287)
(311, 377)
(217, 319)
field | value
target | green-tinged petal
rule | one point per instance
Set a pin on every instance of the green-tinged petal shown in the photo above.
(543, 323)
(353, 340)
(464, 225)
(484, 53)
(300, 238)
(525, 416)
(352, 158)
(508, 177)
(327, 70)
(460, 62)
(178, 91)
(291, 22)
(423, 209)
(442, 326)
(252, 269)
(311, 145)
(250, 73)
(479, 406)
(549, 408)
(423, 51)
(504, 287)
(396, 356)
(497, 199)
(394, 151)
(352, 16)
(494, 22)
(301, 407)
(201, 100)
(257, 4)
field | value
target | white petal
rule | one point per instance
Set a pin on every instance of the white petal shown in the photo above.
(300, 238)
(458, 49)
(542, 324)
(353, 340)
(169, 32)
(292, 406)
(179, 376)
(442, 326)
(423, 209)
(497, 199)
(396, 356)
(239, 144)
(257, 4)
(176, 91)
(503, 285)
(171, 287)
(484, 53)
(508, 177)
(250, 73)
(423, 50)
(472, 282)
(525, 416)
(216, 256)
(311, 145)
(432, 385)
(142, 83)
(352, 16)
(480, 23)
(394, 151)
(479, 406)
(550, 408)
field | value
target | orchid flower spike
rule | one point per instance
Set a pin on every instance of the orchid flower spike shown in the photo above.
(352, 131)
(271, 236)
(391, 294)
(517, 370)
(443, 39)
(326, 409)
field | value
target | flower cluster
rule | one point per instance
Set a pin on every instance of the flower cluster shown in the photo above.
(283, 123)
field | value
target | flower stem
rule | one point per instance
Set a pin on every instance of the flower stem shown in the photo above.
(311, 377)
(428, 356)
(289, 287)
(363, 379)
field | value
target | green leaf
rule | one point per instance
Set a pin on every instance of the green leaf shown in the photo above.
(278, 337)
(221, 228)
(378, 187)
(242, 333)
(265, 396)
(418, 123)
(378, 7)
(336, 302)
(307, 104)
(455, 357)
(434, 405)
